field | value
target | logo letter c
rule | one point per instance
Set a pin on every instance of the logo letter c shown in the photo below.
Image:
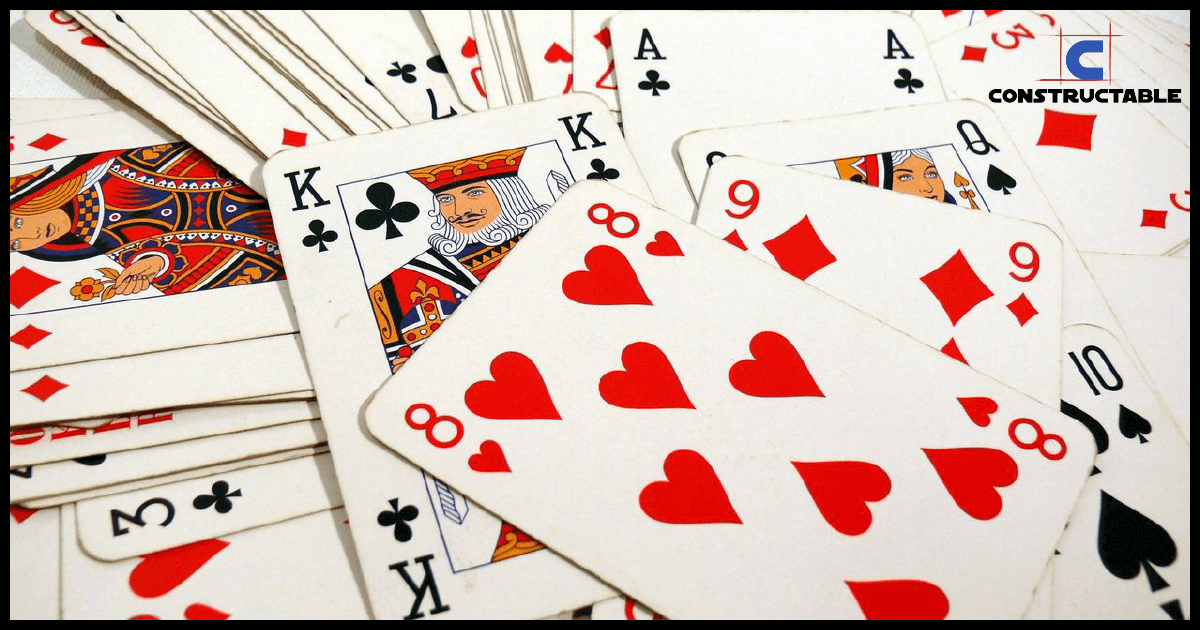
(1079, 49)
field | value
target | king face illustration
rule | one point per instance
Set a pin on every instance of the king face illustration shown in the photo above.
(165, 214)
(481, 210)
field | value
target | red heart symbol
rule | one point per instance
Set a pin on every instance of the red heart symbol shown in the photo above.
(692, 494)
(648, 381)
(517, 393)
(203, 612)
(92, 40)
(490, 458)
(971, 476)
(609, 279)
(900, 599)
(20, 513)
(557, 53)
(979, 410)
(663, 245)
(841, 491)
(160, 572)
(776, 371)
(469, 49)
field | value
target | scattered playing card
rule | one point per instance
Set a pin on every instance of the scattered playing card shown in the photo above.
(981, 288)
(221, 578)
(737, 436)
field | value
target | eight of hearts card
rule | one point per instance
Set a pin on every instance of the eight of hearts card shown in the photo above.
(722, 429)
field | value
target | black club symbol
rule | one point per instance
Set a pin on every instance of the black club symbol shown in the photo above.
(219, 497)
(92, 460)
(381, 196)
(906, 81)
(602, 173)
(319, 236)
(653, 84)
(397, 518)
(404, 72)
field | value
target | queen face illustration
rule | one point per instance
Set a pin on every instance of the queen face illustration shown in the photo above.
(918, 176)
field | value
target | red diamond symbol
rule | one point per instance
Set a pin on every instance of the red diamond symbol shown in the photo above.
(20, 513)
(956, 287)
(44, 388)
(1060, 129)
(951, 350)
(29, 335)
(1154, 218)
(294, 138)
(735, 239)
(973, 53)
(604, 37)
(47, 142)
(949, 13)
(25, 284)
(799, 250)
(1022, 309)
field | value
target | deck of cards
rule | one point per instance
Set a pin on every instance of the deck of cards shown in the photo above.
(599, 315)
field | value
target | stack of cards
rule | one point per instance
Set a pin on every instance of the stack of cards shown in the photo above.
(861, 315)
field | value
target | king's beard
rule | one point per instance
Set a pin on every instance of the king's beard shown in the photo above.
(449, 240)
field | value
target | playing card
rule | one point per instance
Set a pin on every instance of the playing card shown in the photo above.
(1127, 551)
(768, 428)
(307, 41)
(1066, 144)
(264, 117)
(544, 38)
(976, 163)
(401, 227)
(149, 482)
(122, 75)
(391, 50)
(593, 67)
(33, 561)
(122, 526)
(984, 289)
(105, 469)
(1150, 297)
(255, 574)
(253, 45)
(455, 42)
(499, 60)
(55, 443)
(116, 225)
(674, 81)
(158, 380)
(115, 34)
